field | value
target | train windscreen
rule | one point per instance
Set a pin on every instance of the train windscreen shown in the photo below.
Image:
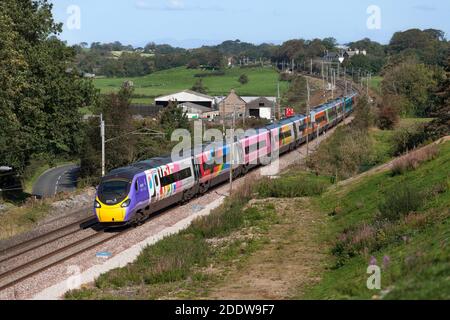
(112, 192)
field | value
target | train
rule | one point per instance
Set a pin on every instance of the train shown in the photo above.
(129, 195)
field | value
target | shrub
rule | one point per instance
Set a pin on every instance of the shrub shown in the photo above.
(400, 202)
(406, 139)
(292, 186)
(387, 117)
(243, 79)
(413, 160)
(344, 154)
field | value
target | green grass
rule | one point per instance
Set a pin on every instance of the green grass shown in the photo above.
(382, 145)
(175, 266)
(416, 245)
(262, 82)
(17, 220)
(409, 122)
(375, 84)
(382, 140)
(293, 184)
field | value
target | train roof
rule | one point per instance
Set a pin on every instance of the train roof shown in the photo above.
(126, 173)
(292, 119)
(327, 105)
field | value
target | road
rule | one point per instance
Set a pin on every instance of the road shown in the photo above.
(56, 180)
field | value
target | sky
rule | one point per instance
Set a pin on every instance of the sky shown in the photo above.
(192, 23)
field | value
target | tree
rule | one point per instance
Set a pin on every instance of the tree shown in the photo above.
(364, 115)
(40, 90)
(243, 79)
(387, 117)
(172, 118)
(441, 125)
(414, 81)
(115, 108)
(199, 87)
(193, 64)
(429, 45)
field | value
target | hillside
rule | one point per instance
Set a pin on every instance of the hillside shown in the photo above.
(308, 239)
(262, 82)
(396, 219)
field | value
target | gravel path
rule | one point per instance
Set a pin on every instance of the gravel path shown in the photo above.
(85, 267)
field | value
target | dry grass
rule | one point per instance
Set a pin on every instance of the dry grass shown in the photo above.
(413, 160)
(20, 219)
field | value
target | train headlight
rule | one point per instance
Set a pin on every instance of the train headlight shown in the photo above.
(97, 205)
(126, 204)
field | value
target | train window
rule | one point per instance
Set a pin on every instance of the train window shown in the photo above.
(176, 177)
(136, 186)
(261, 144)
(255, 147)
(285, 135)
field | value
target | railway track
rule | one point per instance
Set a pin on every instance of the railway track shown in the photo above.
(45, 238)
(33, 256)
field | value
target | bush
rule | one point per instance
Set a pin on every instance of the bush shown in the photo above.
(243, 79)
(406, 139)
(412, 161)
(400, 202)
(304, 185)
(387, 117)
(344, 154)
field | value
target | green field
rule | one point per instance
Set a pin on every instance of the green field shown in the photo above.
(262, 82)
(375, 84)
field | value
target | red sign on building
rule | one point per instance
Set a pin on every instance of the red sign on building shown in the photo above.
(289, 112)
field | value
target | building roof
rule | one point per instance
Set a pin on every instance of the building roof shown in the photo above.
(254, 103)
(194, 106)
(247, 99)
(186, 95)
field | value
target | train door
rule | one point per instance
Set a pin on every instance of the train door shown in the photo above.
(141, 189)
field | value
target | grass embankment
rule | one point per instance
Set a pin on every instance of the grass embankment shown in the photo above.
(398, 220)
(203, 260)
(21, 219)
(304, 238)
(262, 82)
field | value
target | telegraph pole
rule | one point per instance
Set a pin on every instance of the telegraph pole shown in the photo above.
(308, 105)
(323, 77)
(278, 100)
(232, 150)
(102, 134)
(332, 84)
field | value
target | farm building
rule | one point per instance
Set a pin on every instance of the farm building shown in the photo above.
(184, 97)
(259, 107)
(231, 103)
(262, 107)
(194, 111)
